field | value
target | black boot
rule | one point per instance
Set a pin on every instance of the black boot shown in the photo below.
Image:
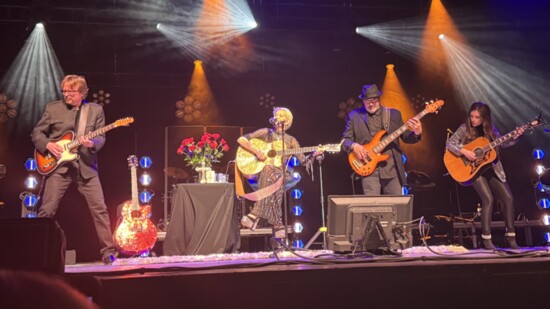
(511, 239)
(487, 243)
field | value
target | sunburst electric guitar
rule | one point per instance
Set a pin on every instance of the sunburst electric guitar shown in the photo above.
(366, 166)
(465, 171)
(249, 165)
(135, 233)
(47, 162)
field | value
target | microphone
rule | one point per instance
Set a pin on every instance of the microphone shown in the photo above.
(274, 121)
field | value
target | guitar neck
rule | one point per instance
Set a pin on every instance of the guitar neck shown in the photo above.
(395, 134)
(135, 200)
(501, 140)
(92, 134)
(297, 150)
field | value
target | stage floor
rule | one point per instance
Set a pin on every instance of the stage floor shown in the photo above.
(451, 274)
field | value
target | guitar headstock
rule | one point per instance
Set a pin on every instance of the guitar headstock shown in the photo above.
(535, 122)
(132, 161)
(124, 122)
(434, 107)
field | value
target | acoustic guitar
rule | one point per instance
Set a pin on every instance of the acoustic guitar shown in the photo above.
(465, 171)
(366, 166)
(47, 162)
(249, 165)
(135, 233)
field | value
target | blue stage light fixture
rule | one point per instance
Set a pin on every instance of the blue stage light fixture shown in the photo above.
(145, 162)
(296, 176)
(297, 210)
(145, 179)
(293, 162)
(145, 196)
(544, 203)
(30, 200)
(298, 227)
(296, 194)
(540, 187)
(31, 182)
(405, 190)
(253, 181)
(30, 165)
(404, 158)
(298, 244)
(547, 236)
(538, 154)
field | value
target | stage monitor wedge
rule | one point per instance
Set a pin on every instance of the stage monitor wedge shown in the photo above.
(353, 222)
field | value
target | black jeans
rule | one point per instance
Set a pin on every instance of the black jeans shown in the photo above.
(490, 188)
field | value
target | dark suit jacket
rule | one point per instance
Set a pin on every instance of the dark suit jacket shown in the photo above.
(357, 131)
(59, 118)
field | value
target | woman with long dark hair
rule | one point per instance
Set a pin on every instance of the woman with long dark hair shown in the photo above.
(491, 185)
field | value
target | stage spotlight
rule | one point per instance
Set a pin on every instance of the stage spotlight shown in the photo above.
(441, 36)
(145, 179)
(540, 169)
(546, 220)
(197, 62)
(538, 154)
(146, 196)
(293, 162)
(145, 162)
(30, 165)
(296, 194)
(296, 176)
(298, 227)
(31, 182)
(544, 203)
(357, 30)
(298, 244)
(158, 26)
(40, 25)
(297, 210)
(252, 24)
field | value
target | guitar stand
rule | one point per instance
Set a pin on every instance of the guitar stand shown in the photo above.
(323, 228)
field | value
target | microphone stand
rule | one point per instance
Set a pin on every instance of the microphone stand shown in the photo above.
(284, 164)
(323, 228)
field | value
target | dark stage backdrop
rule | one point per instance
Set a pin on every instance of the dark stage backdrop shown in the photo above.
(310, 72)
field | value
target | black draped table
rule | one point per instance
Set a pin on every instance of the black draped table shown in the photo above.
(203, 220)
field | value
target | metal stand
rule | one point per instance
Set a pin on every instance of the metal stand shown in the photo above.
(323, 228)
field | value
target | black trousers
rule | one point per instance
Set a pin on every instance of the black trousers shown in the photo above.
(90, 189)
(490, 188)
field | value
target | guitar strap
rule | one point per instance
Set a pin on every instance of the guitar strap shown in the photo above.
(84, 108)
(385, 118)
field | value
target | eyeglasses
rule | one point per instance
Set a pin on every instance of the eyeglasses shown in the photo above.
(69, 91)
(370, 100)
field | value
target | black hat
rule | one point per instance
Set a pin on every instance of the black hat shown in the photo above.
(370, 91)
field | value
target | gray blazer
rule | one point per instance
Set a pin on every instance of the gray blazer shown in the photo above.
(58, 118)
(459, 139)
(357, 131)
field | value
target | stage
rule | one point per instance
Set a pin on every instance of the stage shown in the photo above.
(447, 276)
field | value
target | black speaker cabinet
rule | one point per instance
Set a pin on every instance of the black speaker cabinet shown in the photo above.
(36, 244)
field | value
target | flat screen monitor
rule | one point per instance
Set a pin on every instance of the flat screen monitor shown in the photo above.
(353, 222)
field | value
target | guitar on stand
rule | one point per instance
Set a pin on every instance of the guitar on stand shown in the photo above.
(135, 233)
(465, 171)
(47, 162)
(366, 166)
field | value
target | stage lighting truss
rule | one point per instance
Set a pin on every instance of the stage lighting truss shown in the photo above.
(189, 109)
(7, 108)
(101, 97)
(267, 100)
(347, 106)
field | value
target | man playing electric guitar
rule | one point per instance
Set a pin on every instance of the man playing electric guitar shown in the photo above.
(69, 115)
(362, 125)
